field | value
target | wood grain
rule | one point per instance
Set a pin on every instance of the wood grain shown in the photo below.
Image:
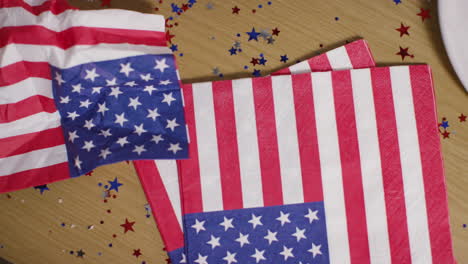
(30, 223)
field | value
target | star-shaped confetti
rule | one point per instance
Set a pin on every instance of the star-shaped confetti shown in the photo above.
(275, 31)
(114, 185)
(235, 10)
(233, 51)
(444, 123)
(403, 30)
(403, 53)
(397, 2)
(128, 226)
(424, 14)
(462, 118)
(169, 36)
(262, 61)
(254, 61)
(80, 253)
(256, 73)
(253, 35)
(42, 188)
(137, 252)
(446, 134)
(284, 58)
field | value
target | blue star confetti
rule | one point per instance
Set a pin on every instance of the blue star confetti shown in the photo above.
(114, 185)
(253, 35)
(42, 188)
(284, 58)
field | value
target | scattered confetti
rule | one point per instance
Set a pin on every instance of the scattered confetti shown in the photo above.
(403, 53)
(275, 31)
(42, 188)
(284, 58)
(90, 227)
(128, 226)
(424, 14)
(60, 200)
(253, 35)
(114, 185)
(446, 134)
(462, 117)
(256, 73)
(80, 253)
(397, 1)
(136, 253)
(89, 173)
(403, 30)
(235, 10)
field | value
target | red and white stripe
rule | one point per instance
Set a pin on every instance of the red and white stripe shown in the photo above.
(249, 142)
(34, 35)
(352, 55)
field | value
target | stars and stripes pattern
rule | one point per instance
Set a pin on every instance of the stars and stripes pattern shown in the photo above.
(364, 142)
(160, 178)
(125, 109)
(37, 34)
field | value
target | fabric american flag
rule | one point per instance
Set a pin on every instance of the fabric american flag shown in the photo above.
(330, 167)
(79, 89)
(160, 178)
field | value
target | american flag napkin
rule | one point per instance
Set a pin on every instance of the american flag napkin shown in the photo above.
(79, 89)
(332, 167)
(160, 178)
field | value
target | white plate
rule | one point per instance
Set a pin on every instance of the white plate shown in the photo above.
(454, 26)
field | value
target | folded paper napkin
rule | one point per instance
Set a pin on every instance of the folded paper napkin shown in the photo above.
(78, 91)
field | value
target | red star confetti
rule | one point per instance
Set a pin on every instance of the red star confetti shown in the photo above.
(403, 30)
(169, 36)
(424, 14)
(185, 7)
(462, 118)
(235, 10)
(136, 253)
(127, 226)
(275, 31)
(254, 61)
(446, 134)
(404, 52)
(106, 3)
(89, 173)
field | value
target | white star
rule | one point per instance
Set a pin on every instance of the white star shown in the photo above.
(172, 124)
(299, 234)
(126, 69)
(104, 153)
(198, 226)
(112, 82)
(91, 75)
(77, 88)
(161, 65)
(72, 136)
(201, 259)
(102, 108)
(271, 236)
(168, 99)
(65, 100)
(139, 129)
(72, 115)
(258, 256)
(153, 114)
(287, 252)
(96, 90)
(131, 84)
(58, 78)
(166, 82)
(312, 215)
(230, 258)
(120, 119)
(146, 77)
(174, 148)
(85, 104)
(227, 223)
(283, 218)
(139, 149)
(157, 138)
(105, 133)
(255, 221)
(88, 145)
(243, 239)
(149, 89)
(315, 250)
(89, 124)
(214, 242)
(78, 162)
(122, 141)
(184, 259)
(134, 102)
(115, 92)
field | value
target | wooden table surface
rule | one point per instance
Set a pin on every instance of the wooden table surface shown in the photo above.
(73, 215)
